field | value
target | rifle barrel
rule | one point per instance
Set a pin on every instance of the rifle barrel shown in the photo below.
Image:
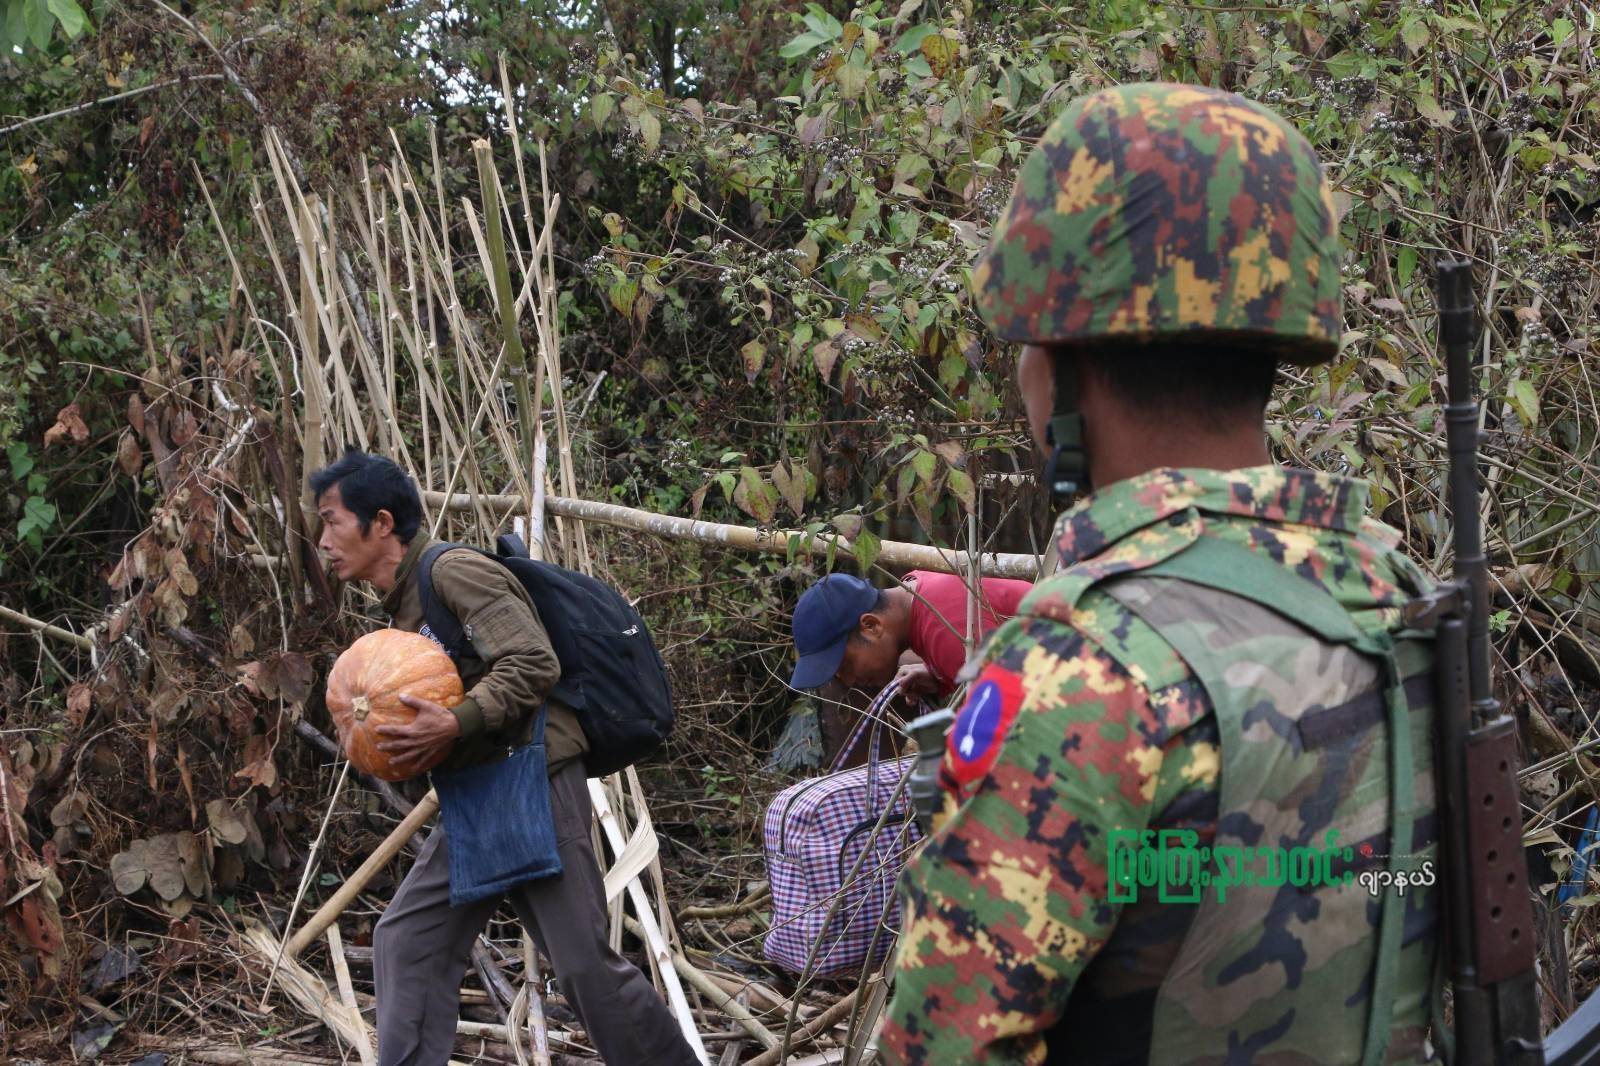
(1457, 329)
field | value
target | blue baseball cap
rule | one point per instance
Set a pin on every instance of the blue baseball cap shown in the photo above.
(823, 620)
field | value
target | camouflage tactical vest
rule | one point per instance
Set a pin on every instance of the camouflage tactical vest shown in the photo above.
(1307, 707)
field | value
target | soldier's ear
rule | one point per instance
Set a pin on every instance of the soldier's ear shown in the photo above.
(870, 626)
(382, 523)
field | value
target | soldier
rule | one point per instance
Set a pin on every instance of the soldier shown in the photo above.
(1218, 660)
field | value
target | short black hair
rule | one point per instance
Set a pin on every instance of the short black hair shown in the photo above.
(1209, 378)
(879, 606)
(369, 484)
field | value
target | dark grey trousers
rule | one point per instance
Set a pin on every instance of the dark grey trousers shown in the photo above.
(422, 948)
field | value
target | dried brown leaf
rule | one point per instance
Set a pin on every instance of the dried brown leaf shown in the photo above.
(130, 456)
(226, 822)
(69, 424)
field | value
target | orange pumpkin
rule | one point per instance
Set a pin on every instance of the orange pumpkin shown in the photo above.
(364, 692)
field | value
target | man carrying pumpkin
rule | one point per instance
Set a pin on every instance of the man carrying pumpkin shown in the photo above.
(371, 514)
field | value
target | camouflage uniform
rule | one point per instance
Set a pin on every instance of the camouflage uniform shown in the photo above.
(1011, 944)
(1083, 720)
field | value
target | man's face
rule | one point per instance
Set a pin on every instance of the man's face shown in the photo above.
(870, 658)
(351, 554)
(1037, 381)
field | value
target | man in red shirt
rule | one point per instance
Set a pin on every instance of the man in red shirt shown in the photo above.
(845, 628)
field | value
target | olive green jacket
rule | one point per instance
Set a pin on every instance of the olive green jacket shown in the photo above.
(510, 666)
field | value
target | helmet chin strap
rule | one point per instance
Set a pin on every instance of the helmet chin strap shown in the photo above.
(1067, 470)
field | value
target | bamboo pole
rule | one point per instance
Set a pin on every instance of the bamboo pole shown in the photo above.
(347, 993)
(46, 628)
(811, 1030)
(891, 553)
(348, 891)
(718, 996)
(648, 925)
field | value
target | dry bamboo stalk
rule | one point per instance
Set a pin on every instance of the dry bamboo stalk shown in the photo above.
(530, 1003)
(671, 527)
(347, 993)
(730, 910)
(765, 998)
(224, 1056)
(46, 628)
(647, 922)
(811, 1030)
(306, 989)
(348, 891)
(719, 998)
(856, 1039)
(305, 875)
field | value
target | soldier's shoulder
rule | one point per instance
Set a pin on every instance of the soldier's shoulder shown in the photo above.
(1105, 649)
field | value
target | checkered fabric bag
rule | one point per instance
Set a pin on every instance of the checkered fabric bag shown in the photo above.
(832, 866)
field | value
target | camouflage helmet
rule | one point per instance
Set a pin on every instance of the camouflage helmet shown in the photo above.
(1154, 210)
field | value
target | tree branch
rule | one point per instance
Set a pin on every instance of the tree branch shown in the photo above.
(75, 108)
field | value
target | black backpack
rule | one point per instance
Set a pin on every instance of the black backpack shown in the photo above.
(611, 674)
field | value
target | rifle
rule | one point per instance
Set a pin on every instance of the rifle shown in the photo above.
(1489, 930)
(928, 731)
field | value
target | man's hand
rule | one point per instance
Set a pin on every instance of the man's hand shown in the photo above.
(412, 746)
(917, 681)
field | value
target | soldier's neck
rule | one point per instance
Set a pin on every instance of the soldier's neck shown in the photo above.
(1126, 448)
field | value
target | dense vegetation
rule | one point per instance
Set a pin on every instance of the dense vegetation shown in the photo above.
(769, 211)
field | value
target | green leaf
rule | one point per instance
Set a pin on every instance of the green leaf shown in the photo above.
(755, 497)
(21, 461)
(1560, 30)
(1429, 109)
(70, 15)
(600, 109)
(1407, 263)
(650, 131)
(960, 483)
(1414, 32)
(1525, 401)
(906, 479)
(912, 39)
(866, 547)
(921, 506)
(952, 368)
(16, 23)
(37, 516)
(623, 294)
(940, 52)
(818, 18)
(805, 42)
(925, 465)
(851, 79)
(40, 23)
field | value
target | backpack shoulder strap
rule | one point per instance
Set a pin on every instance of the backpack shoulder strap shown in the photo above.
(1232, 568)
(1239, 571)
(440, 622)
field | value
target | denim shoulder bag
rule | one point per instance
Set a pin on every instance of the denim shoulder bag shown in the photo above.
(497, 821)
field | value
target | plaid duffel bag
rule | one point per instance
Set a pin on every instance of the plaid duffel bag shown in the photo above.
(835, 846)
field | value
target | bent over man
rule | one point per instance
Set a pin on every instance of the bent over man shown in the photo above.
(847, 630)
(1217, 673)
(371, 514)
